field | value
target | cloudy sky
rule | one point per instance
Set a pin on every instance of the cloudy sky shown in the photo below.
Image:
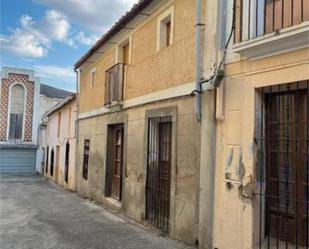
(49, 36)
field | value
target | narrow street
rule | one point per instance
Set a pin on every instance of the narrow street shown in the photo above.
(36, 214)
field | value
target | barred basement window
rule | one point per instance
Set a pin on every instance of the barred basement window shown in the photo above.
(86, 158)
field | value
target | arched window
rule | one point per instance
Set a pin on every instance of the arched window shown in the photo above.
(17, 102)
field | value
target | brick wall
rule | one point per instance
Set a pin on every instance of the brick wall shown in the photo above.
(4, 104)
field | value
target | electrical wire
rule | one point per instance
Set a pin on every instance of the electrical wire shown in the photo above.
(215, 74)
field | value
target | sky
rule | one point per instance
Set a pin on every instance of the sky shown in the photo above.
(49, 36)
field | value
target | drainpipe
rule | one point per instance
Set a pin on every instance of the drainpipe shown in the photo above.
(198, 60)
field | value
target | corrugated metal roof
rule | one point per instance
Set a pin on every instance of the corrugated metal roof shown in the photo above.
(125, 19)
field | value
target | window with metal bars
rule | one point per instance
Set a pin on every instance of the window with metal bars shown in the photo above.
(67, 161)
(47, 157)
(86, 158)
(158, 183)
(283, 165)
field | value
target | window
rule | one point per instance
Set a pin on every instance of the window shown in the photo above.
(165, 29)
(86, 158)
(126, 54)
(59, 124)
(67, 160)
(114, 80)
(46, 165)
(52, 158)
(92, 80)
(17, 100)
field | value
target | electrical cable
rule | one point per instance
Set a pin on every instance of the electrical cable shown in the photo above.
(217, 70)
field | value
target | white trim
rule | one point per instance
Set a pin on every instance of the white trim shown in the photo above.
(167, 13)
(166, 94)
(7, 70)
(9, 111)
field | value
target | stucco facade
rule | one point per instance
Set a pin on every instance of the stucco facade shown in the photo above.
(60, 143)
(158, 83)
(236, 197)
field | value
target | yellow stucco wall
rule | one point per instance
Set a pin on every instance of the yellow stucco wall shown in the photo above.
(150, 70)
(236, 219)
(93, 97)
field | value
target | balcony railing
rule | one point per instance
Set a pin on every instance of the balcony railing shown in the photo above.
(254, 18)
(114, 80)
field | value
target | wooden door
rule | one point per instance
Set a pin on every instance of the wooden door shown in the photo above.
(117, 161)
(287, 166)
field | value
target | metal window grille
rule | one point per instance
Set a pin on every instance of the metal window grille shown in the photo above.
(283, 168)
(158, 182)
(86, 158)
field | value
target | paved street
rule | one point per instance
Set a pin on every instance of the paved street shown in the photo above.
(36, 214)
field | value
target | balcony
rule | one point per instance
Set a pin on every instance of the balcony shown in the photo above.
(268, 27)
(114, 83)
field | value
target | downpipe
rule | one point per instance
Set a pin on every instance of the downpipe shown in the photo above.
(198, 61)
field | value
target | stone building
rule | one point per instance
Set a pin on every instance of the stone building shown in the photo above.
(19, 118)
(59, 163)
(138, 139)
(254, 150)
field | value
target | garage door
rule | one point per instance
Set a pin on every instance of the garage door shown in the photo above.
(17, 161)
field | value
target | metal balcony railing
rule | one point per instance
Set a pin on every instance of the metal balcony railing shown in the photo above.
(254, 18)
(114, 80)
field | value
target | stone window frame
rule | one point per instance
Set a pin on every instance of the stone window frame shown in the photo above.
(167, 14)
(9, 111)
